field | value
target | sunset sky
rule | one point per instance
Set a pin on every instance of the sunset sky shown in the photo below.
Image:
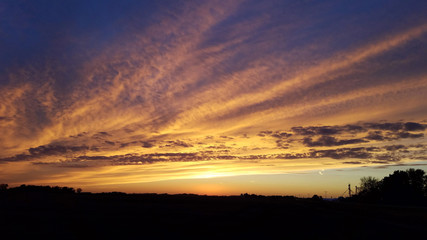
(211, 97)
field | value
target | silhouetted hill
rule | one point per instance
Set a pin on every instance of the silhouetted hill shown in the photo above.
(68, 215)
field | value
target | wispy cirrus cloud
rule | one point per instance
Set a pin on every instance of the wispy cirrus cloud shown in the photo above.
(244, 81)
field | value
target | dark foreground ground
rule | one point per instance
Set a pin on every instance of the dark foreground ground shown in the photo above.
(145, 216)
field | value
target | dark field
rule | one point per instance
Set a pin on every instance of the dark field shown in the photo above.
(152, 216)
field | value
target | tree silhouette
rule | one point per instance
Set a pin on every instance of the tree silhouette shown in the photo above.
(3, 187)
(370, 189)
(404, 186)
(316, 198)
(369, 184)
(400, 187)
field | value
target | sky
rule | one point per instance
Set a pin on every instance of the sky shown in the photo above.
(211, 97)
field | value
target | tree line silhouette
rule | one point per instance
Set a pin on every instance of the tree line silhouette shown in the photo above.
(38, 189)
(400, 187)
(407, 187)
(29, 211)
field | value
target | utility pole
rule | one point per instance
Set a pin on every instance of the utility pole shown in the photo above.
(326, 192)
(349, 190)
(356, 190)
